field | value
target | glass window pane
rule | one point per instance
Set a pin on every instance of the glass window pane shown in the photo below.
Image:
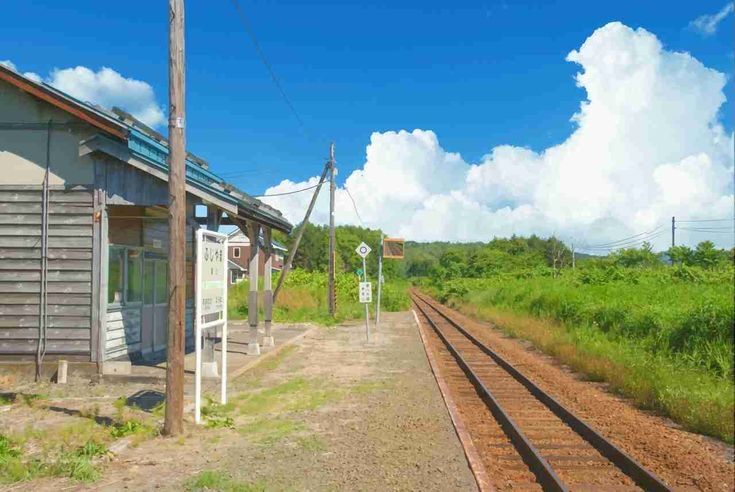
(161, 281)
(115, 272)
(148, 278)
(135, 276)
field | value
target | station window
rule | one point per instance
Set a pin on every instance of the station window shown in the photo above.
(236, 252)
(124, 275)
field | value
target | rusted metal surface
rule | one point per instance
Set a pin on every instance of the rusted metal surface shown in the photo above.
(560, 449)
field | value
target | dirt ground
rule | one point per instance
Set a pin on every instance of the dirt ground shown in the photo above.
(331, 413)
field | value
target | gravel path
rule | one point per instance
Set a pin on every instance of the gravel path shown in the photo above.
(334, 413)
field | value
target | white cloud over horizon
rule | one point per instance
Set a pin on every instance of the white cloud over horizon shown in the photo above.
(105, 88)
(647, 146)
(707, 24)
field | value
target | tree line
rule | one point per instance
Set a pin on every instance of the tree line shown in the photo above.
(483, 259)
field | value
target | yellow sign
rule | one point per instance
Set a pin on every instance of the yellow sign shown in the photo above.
(393, 248)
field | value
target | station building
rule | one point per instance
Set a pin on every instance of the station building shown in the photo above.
(84, 232)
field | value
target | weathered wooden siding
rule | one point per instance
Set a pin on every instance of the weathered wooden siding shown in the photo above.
(146, 227)
(123, 332)
(69, 271)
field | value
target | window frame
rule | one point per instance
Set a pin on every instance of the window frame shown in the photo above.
(236, 251)
(124, 302)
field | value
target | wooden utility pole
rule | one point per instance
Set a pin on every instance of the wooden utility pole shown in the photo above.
(331, 296)
(173, 424)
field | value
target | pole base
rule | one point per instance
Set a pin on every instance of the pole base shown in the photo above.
(253, 348)
(268, 342)
(210, 370)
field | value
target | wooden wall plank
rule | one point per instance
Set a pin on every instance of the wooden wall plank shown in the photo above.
(54, 242)
(53, 321)
(20, 253)
(51, 333)
(52, 309)
(53, 299)
(20, 264)
(14, 346)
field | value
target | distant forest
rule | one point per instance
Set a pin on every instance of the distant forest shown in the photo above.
(500, 255)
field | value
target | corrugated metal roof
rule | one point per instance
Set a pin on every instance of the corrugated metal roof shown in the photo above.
(150, 146)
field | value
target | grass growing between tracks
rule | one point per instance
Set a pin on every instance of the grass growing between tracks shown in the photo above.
(667, 345)
(303, 298)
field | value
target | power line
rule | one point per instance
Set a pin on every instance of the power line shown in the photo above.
(708, 231)
(629, 244)
(635, 238)
(354, 205)
(246, 25)
(288, 192)
(706, 220)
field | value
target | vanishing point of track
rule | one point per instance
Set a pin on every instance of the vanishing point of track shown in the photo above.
(561, 451)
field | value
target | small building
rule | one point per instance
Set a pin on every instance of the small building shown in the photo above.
(239, 253)
(84, 232)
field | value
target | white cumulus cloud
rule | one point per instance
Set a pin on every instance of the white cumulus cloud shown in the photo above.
(647, 146)
(707, 24)
(106, 88)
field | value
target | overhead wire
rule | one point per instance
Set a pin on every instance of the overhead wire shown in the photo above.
(276, 81)
(354, 205)
(634, 238)
(627, 244)
(288, 192)
(706, 220)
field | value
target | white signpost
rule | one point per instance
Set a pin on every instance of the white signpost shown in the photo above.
(211, 305)
(365, 292)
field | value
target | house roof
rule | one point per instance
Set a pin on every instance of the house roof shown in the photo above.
(131, 140)
(261, 241)
(231, 265)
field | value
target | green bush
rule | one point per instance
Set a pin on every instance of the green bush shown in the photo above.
(303, 298)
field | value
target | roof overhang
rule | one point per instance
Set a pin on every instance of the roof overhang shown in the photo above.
(100, 143)
(64, 102)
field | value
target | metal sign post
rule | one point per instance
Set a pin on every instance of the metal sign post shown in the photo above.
(380, 282)
(211, 306)
(366, 292)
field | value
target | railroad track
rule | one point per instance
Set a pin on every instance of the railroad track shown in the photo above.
(561, 451)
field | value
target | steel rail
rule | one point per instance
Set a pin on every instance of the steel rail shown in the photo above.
(545, 475)
(641, 476)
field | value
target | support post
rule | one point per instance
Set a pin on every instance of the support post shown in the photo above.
(332, 238)
(254, 237)
(209, 360)
(380, 281)
(367, 311)
(267, 287)
(173, 423)
(300, 234)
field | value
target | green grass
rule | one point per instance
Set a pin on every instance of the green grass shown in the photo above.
(76, 463)
(212, 480)
(668, 345)
(269, 431)
(304, 298)
(312, 443)
(71, 449)
(294, 395)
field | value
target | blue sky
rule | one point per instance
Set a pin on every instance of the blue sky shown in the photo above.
(478, 74)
